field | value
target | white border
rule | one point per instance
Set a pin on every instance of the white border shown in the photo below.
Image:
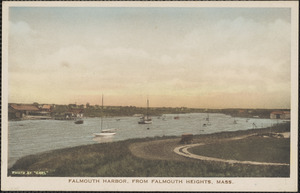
(239, 184)
(279, 4)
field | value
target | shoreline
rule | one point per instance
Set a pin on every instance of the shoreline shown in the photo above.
(155, 149)
(236, 115)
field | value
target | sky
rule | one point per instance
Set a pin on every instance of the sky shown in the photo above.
(176, 57)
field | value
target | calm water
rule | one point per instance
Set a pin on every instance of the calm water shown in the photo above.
(35, 136)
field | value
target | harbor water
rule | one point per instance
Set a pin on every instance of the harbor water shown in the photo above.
(35, 136)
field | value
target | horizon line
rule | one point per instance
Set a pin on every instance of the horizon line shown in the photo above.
(146, 107)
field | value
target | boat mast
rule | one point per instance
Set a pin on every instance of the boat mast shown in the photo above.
(102, 113)
(147, 107)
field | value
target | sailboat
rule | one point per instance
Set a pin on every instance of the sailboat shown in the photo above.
(146, 119)
(234, 121)
(104, 132)
(207, 119)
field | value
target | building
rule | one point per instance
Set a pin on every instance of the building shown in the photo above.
(280, 115)
(77, 112)
(241, 111)
(16, 111)
(46, 108)
(24, 111)
(73, 114)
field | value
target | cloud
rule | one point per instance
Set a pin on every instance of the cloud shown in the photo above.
(240, 49)
(230, 56)
(21, 43)
(125, 52)
(20, 28)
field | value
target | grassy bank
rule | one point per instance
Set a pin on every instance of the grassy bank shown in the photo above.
(116, 160)
(255, 148)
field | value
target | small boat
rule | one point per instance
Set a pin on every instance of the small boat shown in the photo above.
(106, 132)
(207, 118)
(234, 121)
(145, 119)
(207, 123)
(102, 134)
(80, 121)
(177, 117)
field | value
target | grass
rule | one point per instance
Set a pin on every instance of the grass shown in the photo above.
(116, 160)
(276, 150)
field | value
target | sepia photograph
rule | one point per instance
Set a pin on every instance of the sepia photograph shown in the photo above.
(149, 96)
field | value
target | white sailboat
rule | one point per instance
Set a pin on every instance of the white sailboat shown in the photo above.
(146, 119)
(104, 132)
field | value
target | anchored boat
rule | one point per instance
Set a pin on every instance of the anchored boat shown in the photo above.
(146, 119)
(106, 132)
(80, 121)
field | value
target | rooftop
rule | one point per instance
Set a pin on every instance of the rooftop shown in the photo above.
(24, 107)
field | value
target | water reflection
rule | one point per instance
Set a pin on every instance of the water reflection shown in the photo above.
(104, 139)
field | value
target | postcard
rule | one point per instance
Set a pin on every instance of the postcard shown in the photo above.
(149, 96)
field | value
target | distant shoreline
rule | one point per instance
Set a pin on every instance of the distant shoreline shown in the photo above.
(72, 111)
(113, 116)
